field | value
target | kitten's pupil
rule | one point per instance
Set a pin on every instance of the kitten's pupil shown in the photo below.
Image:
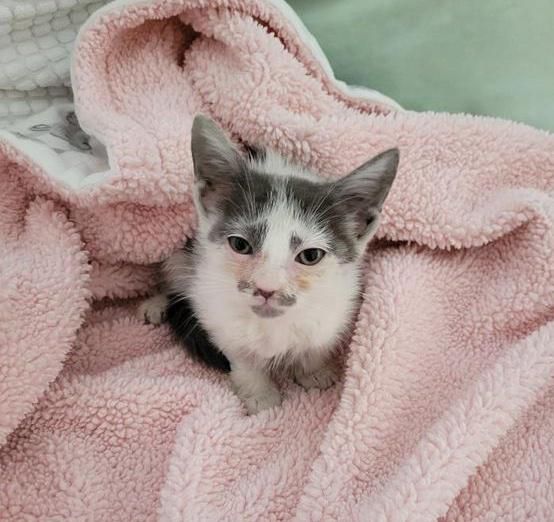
(240, 245)
(310, 256)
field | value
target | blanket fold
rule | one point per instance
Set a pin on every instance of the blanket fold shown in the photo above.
(446, 406)
(44, 276)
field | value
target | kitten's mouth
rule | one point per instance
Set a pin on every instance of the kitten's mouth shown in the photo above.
(266, 311)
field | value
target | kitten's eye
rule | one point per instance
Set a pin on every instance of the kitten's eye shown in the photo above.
(240, 245)
(310, 256)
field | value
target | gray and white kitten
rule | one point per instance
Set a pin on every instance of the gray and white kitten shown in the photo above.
(272, 278)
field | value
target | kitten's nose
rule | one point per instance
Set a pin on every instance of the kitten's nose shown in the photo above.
(266, 294)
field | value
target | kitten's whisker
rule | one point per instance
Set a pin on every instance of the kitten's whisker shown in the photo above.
(314, 210)
(191, 319)
(335, 204)
(247, 200)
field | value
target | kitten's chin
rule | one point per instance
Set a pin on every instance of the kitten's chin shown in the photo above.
(266, 311)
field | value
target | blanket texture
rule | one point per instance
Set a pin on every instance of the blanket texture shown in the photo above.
(446, 406)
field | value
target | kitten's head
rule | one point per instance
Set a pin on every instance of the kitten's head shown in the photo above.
(281, 235)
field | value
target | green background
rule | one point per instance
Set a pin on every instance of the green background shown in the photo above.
(493, 57)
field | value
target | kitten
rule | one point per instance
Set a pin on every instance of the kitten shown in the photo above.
(272, 278)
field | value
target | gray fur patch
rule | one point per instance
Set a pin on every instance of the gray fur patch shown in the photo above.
(295, 242)
(266, 312)
(256, 233)
(287, 300)
(244, 286)
(319, 204)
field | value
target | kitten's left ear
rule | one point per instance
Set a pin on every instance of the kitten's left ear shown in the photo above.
(216, 162)
(364, 191)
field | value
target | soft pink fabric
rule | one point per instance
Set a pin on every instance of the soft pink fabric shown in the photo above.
(446, 409)
(43, 275)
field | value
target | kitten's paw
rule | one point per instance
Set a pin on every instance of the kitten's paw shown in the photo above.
(321, 379)
(257, 403)
(152, 310)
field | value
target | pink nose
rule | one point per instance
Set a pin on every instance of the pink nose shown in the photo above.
(266, 294)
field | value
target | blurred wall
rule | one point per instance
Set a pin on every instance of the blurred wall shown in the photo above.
(492, 57)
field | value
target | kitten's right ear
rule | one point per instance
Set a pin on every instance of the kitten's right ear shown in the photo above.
(364, 191)
(216, 163)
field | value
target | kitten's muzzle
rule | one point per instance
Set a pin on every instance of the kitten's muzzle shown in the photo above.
(266, 296)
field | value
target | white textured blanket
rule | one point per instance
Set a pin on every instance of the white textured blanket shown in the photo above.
(36, 38)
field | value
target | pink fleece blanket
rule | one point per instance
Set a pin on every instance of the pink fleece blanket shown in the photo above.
(446, 406)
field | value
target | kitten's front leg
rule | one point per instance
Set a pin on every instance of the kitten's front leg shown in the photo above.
(152, 310)
(254, 387)
(316, 371)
